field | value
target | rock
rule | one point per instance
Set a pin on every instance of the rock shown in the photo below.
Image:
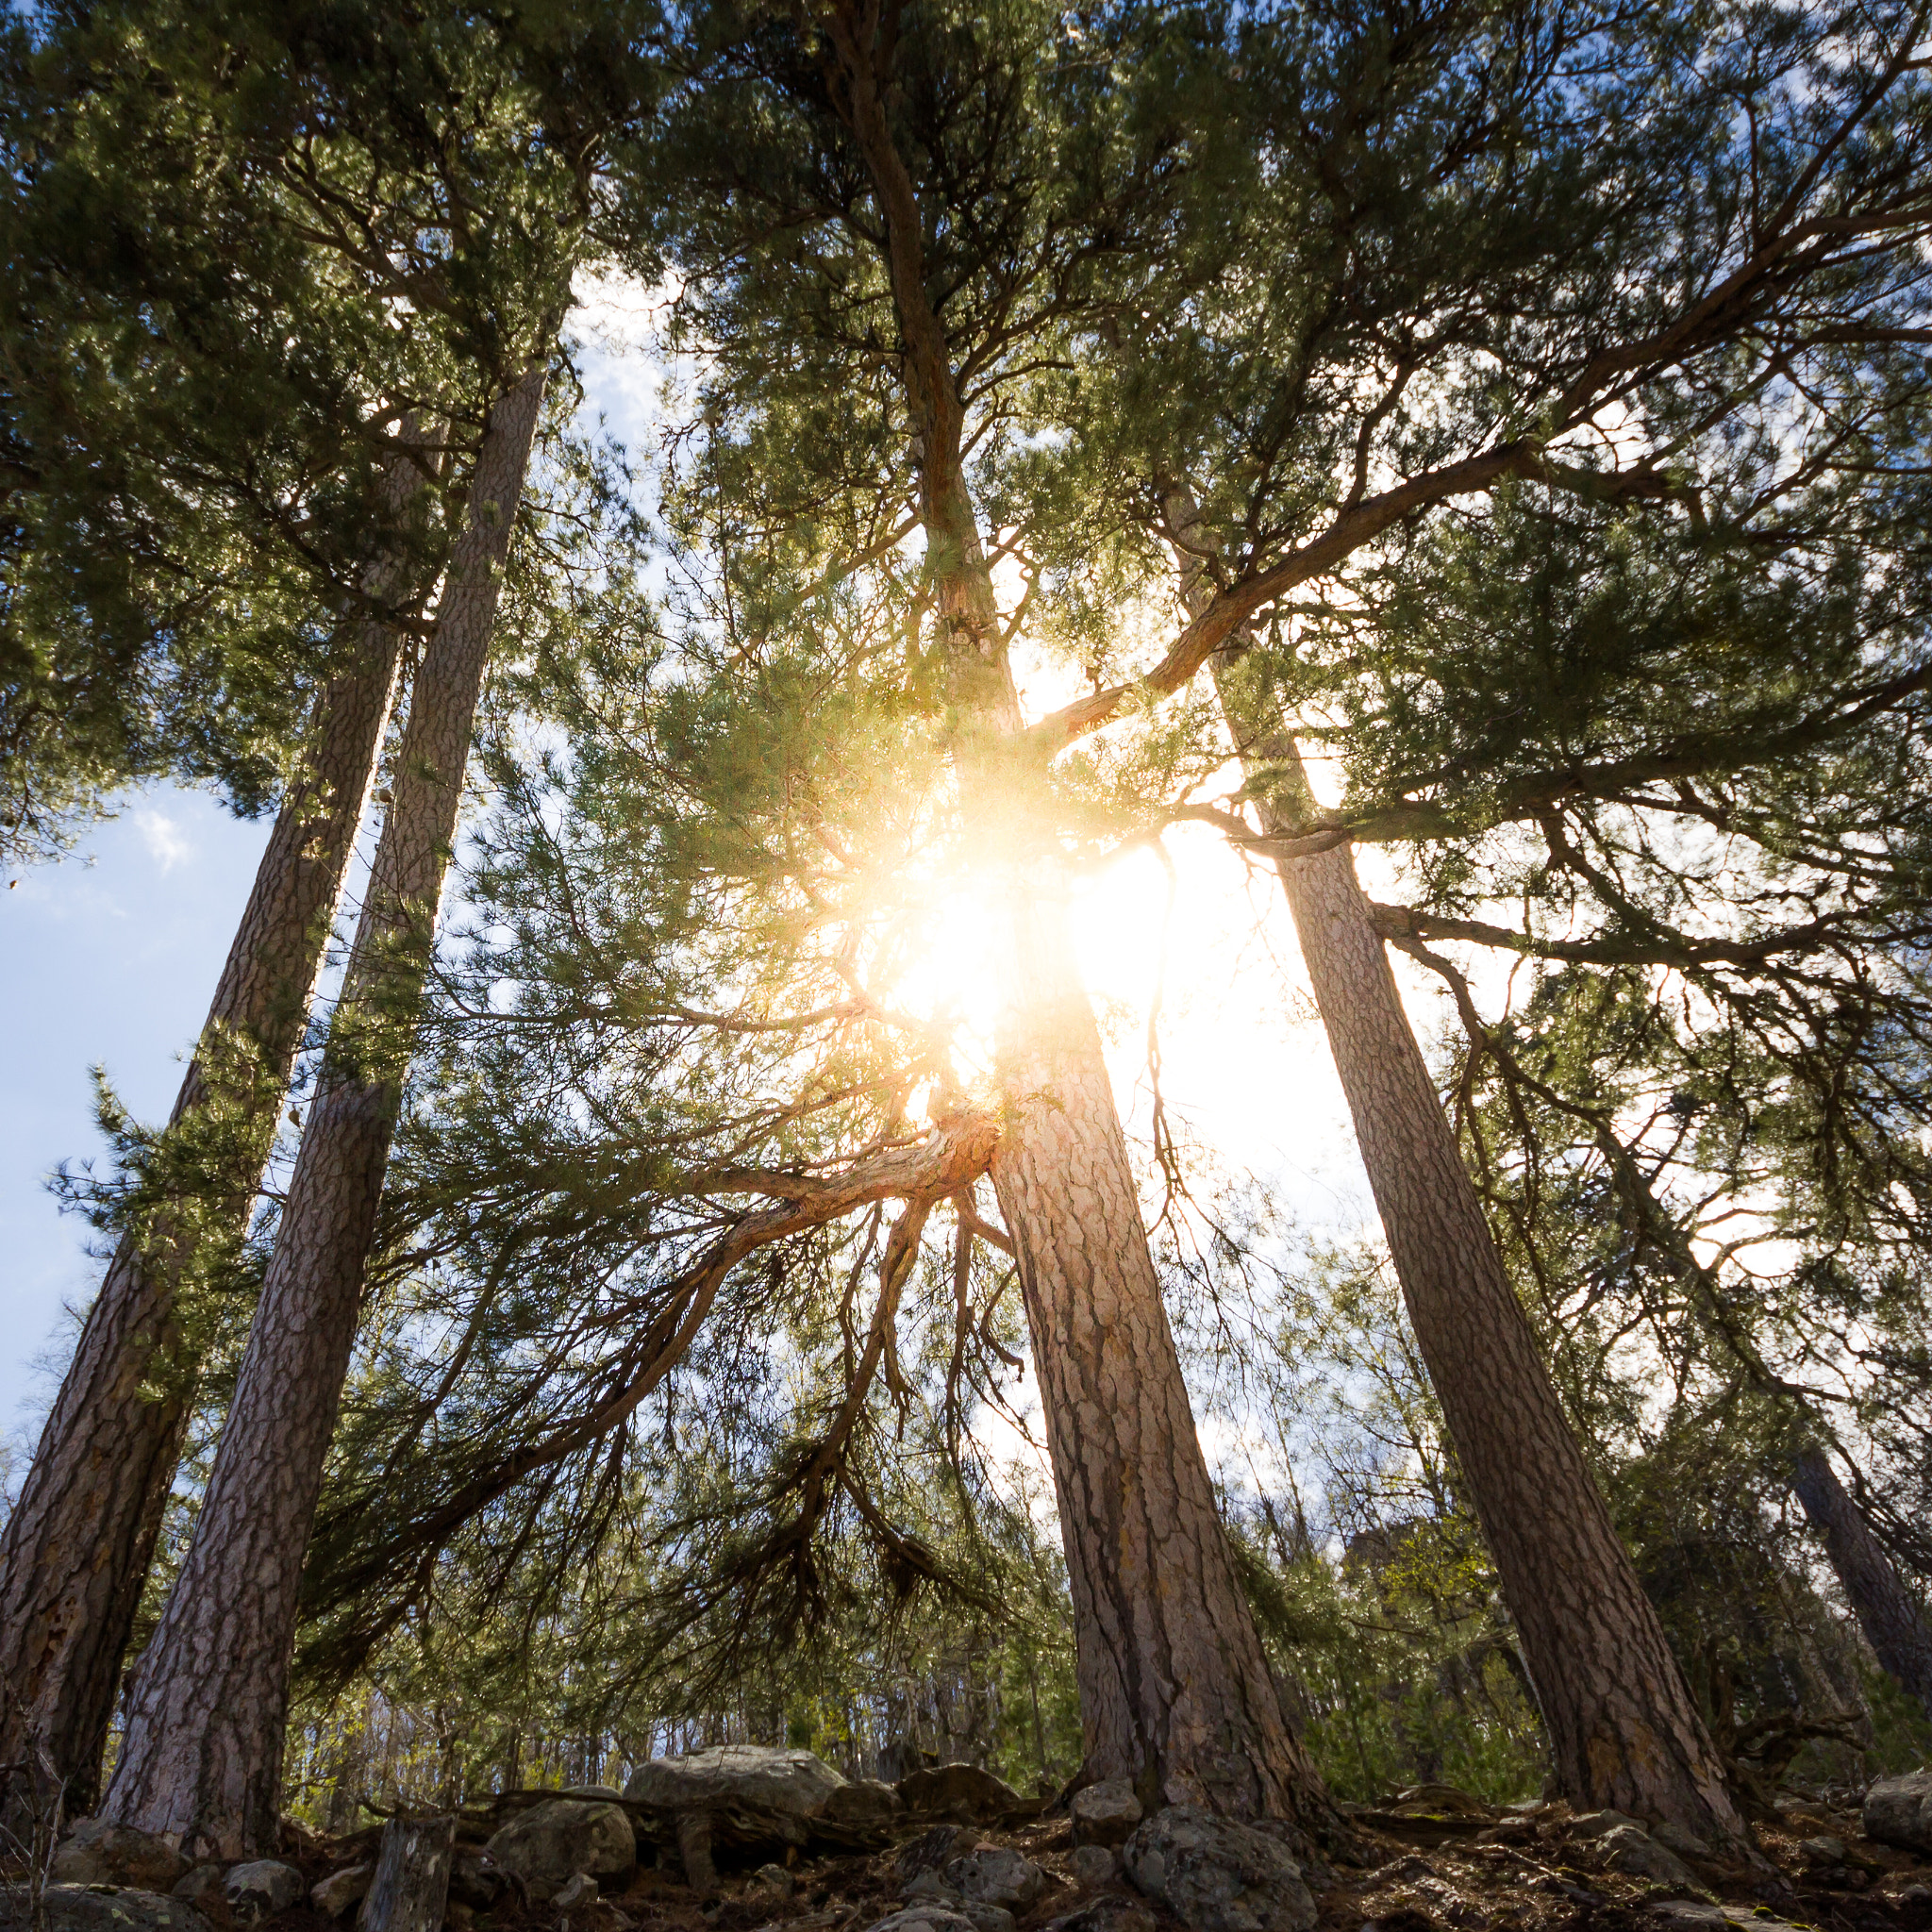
(607, 1793)
(1916, 1895)
(925, 1918)
(97, 1853)
(334, 1895)
(1105, 1813)
(1686, 1844)
(549, 1844)
(202, 1887)
(262, 1887)
(773, 1878)
(1689, 1915)
(994, 1875)
(1111, 1912)
(1898, 1811)
(928, 1884)
(475, 1879)
(581, 1891)
(99, 1908)
(1215, 1875)
(1824, 1850)
(863, 1801)
(932, 1850)
(768, 1774)
(1630, 1848)
(987, 1918)
(1095, 1864)
(1601, 1824)
(960, 1792)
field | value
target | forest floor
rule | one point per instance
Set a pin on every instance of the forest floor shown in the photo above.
(1526, 1870)
(1529, 1869)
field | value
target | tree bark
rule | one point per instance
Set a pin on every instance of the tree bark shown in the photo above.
(78, 1546)
(1624, 1730)
(1886, 1611)
(201, 1761)
(409, 1892)
(1175, 1693)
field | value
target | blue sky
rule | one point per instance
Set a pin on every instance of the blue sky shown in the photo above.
(108, 958)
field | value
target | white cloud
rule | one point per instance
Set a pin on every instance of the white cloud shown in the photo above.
(167, 843)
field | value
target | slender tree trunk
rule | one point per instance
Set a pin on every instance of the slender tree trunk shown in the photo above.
(1623, 1730)
(1888, 1613)
(77, 1549)
(1175, 1693)
(202, 1758)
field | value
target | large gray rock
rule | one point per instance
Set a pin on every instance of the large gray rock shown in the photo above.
(1631, 1849)
(333, 1896)
(768, 1774)
(862, 1800)
(550, 1843)
(1111, 1912)
(1601, 1824)
(996, 1876)
(925, 1918)
(99, 1908)
(97, 1853)
(960, 1792)
(1215, 1875)
(1898, 1811)
(932, 1850)
(1095, 1865)
(1105, 1813)
(202, 1887)
(262, 1887)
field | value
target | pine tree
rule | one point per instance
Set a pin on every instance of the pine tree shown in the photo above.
(202, 1755)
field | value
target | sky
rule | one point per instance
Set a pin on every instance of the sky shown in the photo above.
(108, 959)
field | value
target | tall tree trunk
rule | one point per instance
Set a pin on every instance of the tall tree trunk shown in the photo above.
(1888, 1613)
(1175, 1694)
(77, 1549)
(1623, 1730)
(202, 1758)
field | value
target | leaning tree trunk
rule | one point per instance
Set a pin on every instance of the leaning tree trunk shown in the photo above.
(1623, 1730)
(1175, 1694)
(78, 1546)
(201, 1757)
(1886, 1611)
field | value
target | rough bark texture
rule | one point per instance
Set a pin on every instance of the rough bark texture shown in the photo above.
(76, 1548)
(1175, 1694)
(411, 1889)
(201, 1760)
(1624, 1730)
(1888, 1613)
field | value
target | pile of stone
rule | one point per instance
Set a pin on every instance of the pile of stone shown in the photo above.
(952, 1849)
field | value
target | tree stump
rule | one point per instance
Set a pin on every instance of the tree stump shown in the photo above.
(409, 1892)
(695, 1848)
